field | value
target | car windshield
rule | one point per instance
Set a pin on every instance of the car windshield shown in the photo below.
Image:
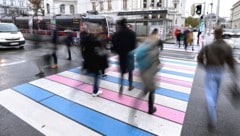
(8, 27)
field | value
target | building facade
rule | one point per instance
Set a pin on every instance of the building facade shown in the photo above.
(61, 7)
(13, 7)
(235, 15)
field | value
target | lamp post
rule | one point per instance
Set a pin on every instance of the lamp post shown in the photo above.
(217, 13)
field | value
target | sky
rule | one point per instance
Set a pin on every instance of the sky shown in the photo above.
(225, 6)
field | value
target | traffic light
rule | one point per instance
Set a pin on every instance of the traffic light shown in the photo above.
(199, 9)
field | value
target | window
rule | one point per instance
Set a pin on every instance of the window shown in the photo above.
(124, 4)
(48, 8)
(159, 4)
(11, 2)
(175, 5)
(62, 8)
(4, 2)
(72, 9)
(152, 3)
(145, 4)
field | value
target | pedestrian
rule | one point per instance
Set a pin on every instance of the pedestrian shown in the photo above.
(213, 57)
(178, 36)
(185, 34)
(54, 46)
(94, 58)
(124, 41)
(190, 39)
(69, 43)
(147, 56)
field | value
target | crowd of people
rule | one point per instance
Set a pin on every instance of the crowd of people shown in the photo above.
(95, 53)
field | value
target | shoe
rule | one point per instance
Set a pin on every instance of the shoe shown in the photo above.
(211, 127)
(130, 88)
(69, 58)
(40, 74)
(104, 75)
(54, 66)
(152, 111)
(121, 90)
(97, 94)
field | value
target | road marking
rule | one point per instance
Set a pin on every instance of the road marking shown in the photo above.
(12, 63)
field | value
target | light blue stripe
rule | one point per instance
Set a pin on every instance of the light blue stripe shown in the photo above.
(165, 71)
(97, 121)
(33, 92)
(138, 85)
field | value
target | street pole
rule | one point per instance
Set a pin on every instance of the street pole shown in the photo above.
(211, 17)
(217, 13)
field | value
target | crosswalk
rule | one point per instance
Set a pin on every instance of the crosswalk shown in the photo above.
(62, 104)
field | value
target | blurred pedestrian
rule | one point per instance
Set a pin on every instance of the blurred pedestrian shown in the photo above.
(54, 46)
(69, 42)
(155, 36)
(178, 36)
(147, 56)
(85, 39)
(190, 39)
(213, 57)
(185, 34)
(94, 58)
(124, 41)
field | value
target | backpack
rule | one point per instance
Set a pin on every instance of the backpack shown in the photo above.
(142, 56)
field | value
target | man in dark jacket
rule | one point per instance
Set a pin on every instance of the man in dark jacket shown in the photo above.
(213, 57)
(124, 41)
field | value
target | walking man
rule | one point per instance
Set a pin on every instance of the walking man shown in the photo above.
(124, 41)
(213, 57)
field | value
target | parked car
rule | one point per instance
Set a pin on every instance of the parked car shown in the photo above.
(10, 36)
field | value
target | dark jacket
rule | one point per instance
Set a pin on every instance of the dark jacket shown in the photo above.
(217, 54)
(124, 41)
(94, 60)
(69, 39)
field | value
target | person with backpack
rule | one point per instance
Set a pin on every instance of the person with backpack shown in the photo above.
(147, 57)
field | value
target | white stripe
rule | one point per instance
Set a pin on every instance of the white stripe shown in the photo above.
(165, 75)
(12, 63)
(159, 99)
(181, 61)
(181, 49)
(158, 83)
(143, 120)
(43, 119)
(165, 59)
(166, 62)
(165, 68)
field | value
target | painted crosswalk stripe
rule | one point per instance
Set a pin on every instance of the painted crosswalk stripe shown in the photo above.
(162, 91)
(46, 121)
(159, 99)
(123, 113)
(163, 112)
(158, 78)
(79, 113)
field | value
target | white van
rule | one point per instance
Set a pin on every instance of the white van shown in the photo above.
(10, 36)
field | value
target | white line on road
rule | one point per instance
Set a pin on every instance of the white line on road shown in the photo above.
(12, 63)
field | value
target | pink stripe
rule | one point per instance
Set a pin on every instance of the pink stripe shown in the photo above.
(163, 112)
(72, 83)
(159, 78)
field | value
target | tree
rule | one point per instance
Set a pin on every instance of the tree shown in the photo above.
(36, 5)
(192, 21)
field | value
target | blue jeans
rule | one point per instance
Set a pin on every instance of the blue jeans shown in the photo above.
(212, 83)
(96, 82)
